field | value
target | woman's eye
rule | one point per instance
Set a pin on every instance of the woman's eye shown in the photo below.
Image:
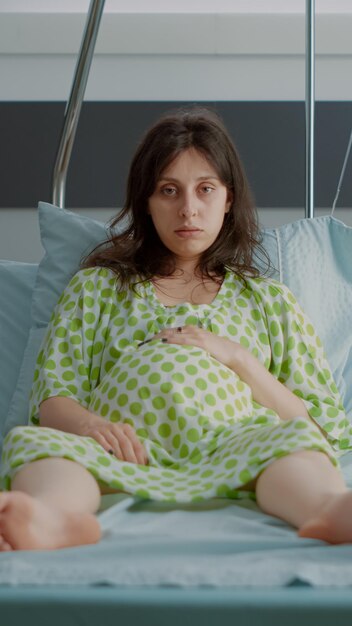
(207, 189)
(168, 191)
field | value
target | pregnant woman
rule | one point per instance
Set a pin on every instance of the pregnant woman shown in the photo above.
(172, 370)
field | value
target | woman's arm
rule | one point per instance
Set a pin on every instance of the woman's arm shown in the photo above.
(266, 389)
(68, 415)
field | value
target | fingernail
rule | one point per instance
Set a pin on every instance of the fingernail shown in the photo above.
(164, 340)
(111, 451)
(143, 342)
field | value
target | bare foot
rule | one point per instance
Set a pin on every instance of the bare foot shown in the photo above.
(26, 523)
(334, 522)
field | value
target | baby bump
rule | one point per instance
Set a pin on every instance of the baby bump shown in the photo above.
(171, 393)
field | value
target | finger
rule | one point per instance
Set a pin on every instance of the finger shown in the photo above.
(120, 438)
(127, 448)
(157, 336)
(138, 447)
(114, 447)
(174, 330)
(195, 330)
(184, 339)
(107, 444)
(189, 331)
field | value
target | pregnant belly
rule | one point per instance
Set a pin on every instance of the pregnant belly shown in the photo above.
(171, 394)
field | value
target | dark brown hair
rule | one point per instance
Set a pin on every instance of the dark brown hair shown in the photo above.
(136, 252)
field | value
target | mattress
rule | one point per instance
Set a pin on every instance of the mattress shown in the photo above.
(216, 562)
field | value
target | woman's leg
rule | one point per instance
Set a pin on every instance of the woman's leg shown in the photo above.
(307, 491)
(51, 505)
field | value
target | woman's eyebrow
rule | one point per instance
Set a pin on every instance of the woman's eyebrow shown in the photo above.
(175, 180)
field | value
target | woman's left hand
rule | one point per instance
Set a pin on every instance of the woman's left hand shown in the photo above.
(266, 389)
(222, 349)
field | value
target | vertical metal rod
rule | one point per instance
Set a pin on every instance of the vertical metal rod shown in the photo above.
(310, 102)
(74, 104)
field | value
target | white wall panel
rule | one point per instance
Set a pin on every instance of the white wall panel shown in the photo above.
(175, 56)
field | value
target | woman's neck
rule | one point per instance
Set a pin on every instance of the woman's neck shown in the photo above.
(187, 268)
(183, 287)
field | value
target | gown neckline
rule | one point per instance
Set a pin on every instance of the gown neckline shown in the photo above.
(218, 299)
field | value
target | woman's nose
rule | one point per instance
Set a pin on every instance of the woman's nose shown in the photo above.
(188, 205)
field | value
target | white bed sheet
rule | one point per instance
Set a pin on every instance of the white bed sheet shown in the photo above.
(219, 543)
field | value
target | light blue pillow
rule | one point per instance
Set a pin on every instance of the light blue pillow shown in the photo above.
(269, 243)
(16, 285)
(18, 410)
(315, 262)
(66, 238)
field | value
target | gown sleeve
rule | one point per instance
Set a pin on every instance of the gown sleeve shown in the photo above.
(298, 361)
(70, 359)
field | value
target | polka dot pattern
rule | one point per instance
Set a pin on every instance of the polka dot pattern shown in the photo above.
(204, 434)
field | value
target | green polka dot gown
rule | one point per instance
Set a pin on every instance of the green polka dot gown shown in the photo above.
(204, 434)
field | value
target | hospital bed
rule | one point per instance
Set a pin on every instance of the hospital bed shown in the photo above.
(216, 562)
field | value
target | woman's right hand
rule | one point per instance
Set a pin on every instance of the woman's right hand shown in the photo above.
(117, 438)
(68, 415)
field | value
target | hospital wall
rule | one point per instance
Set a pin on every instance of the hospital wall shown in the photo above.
(248, 67)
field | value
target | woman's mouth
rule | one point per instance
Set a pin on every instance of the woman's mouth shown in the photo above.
(186, 233)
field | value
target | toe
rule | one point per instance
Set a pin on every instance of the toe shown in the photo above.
(4, 545)
(316, 529)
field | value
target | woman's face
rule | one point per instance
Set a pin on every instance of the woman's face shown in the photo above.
(188, 205)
